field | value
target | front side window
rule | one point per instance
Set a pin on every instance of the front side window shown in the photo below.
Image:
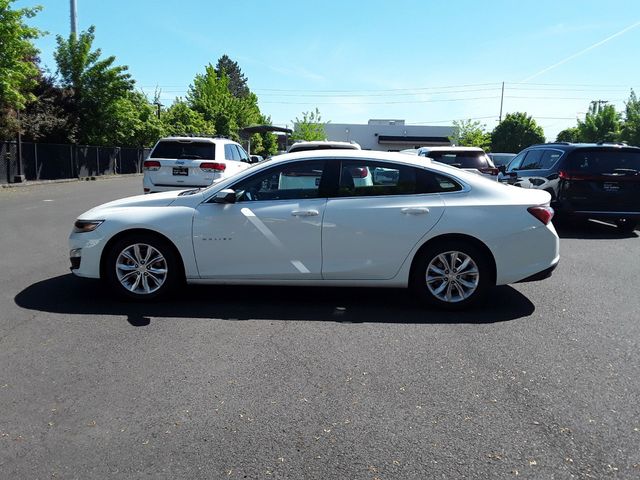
(516, 162)
(290, 181)
(370, 178)
(242, 154)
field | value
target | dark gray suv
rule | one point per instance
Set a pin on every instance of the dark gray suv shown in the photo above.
(599, 181)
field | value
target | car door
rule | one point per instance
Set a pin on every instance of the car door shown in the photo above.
(272, 231)
(379, 212)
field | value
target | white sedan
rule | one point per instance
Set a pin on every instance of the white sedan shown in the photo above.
(305, 219)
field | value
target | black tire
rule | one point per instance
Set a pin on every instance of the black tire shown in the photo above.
(626, 225)
(121, 271)
(425, 290)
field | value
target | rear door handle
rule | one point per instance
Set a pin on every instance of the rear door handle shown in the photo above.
(415, 210)
(305, 213)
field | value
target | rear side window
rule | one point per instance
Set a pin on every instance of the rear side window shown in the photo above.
(624, 162)
(370, 178)
(461, 159)
(184, 150)
(549, 158)
(231, 152)
(532, 160)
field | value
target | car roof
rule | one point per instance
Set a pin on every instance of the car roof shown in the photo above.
(326, 143)
(353, 154)
(198, 139)
(451, 149)
(566, 146)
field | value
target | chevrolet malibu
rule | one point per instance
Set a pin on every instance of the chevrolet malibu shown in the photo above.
(306, 219)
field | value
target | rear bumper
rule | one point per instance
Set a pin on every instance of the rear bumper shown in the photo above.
(546, 273)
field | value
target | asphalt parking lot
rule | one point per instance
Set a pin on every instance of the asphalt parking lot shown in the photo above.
(238, 382)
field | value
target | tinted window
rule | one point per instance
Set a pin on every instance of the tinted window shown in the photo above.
(532, 160)
(549, 158)
(516, 162)
(370, 178)
(184, 149)
(461, 159)
(286, 182)
(606, 161)
(231, 152)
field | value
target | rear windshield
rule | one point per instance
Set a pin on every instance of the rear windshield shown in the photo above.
(461, 159)
(186, 150)
(606, 161)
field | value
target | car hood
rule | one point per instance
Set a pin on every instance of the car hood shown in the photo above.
(162, 199)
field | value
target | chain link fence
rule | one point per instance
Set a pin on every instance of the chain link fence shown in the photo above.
(43, 161)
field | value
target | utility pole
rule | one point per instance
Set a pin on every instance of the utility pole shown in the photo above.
(501, 102)
(74, 18)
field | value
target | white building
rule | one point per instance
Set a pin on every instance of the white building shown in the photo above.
(389, 135)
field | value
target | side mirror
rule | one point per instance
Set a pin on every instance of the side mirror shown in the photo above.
(502, 168)
(225, 196)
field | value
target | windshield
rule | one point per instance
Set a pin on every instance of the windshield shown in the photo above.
(620, 162)
(184, 149)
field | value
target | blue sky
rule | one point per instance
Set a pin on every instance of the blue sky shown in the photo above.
(427, 62)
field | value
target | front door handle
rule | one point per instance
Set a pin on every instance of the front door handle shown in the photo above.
(415, 210)
(305, 213)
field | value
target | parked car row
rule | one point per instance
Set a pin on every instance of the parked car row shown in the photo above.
(597, 181)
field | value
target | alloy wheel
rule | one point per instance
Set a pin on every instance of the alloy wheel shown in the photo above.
(452, 276)
(141, 269)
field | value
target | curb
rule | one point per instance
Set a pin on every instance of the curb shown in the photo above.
(34, 183)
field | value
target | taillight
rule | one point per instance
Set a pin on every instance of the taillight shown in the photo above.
(359, 172)
(213, 167)
(542, 213)
(564, 175)
(151, 165)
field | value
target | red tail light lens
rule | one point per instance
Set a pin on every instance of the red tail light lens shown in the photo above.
(542, 213)
(213, 167)
(151, 165)
(359, 172)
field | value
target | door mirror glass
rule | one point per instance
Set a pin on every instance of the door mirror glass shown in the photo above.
(225, 196)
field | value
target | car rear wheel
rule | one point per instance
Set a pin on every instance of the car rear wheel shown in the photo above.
(451, 275)
(142, 267)
(626, 225)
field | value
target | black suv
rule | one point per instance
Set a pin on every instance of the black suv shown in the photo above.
(599, 181)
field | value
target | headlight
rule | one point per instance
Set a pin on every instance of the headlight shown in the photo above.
(83, 226)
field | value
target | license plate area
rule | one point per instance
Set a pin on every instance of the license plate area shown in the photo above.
(181, 171)
(611, 186)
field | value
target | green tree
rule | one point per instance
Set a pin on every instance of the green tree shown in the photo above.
(97, 85)
(210, 96)
(18, 70)
(516, 132)
(570, 134)
(601, 124)
(469, 133)
(631, 128)
(133, 122)
(237, 81)
(309, 127)
(179, 119)
(48, 118)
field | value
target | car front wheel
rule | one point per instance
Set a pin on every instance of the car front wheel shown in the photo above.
(141, 267)
(451, 275)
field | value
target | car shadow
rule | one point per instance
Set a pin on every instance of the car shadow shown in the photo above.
(68, 294)
(591, 230)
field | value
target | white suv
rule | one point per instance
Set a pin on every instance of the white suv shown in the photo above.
(177, 163)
